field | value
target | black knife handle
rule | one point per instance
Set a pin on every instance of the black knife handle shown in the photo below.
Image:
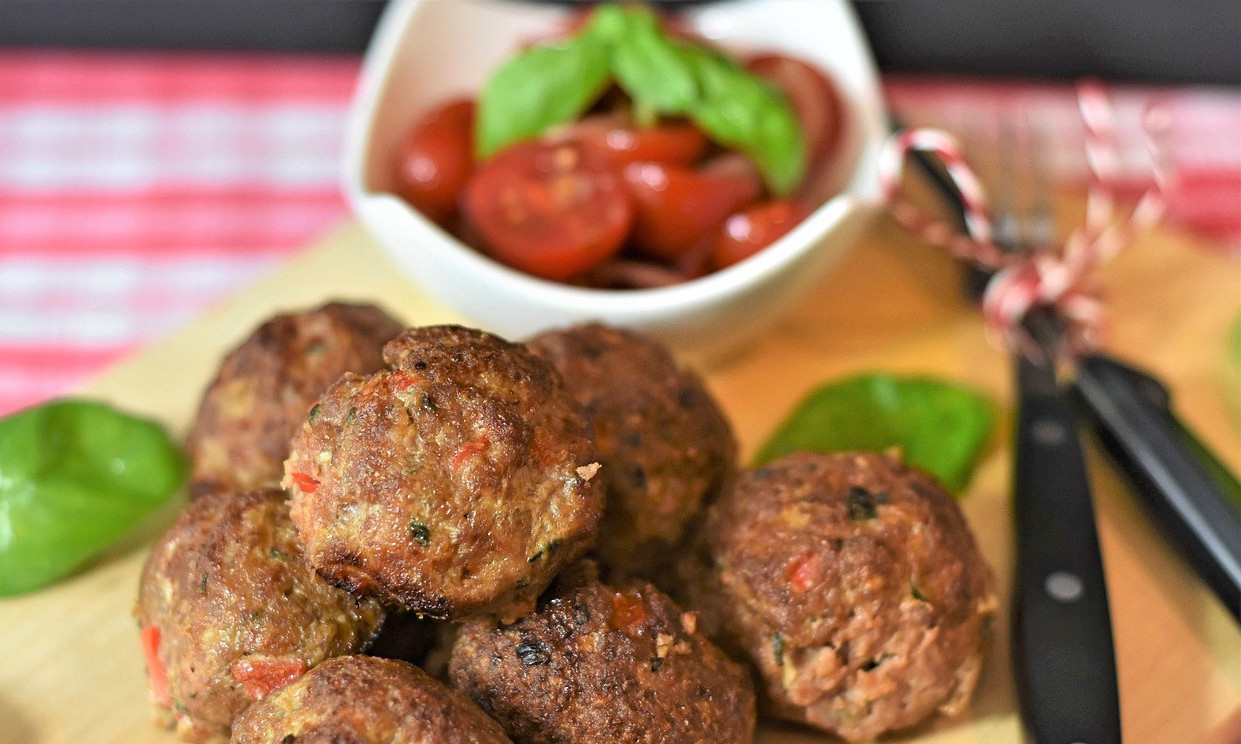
(1062, 630)
(1185, 487)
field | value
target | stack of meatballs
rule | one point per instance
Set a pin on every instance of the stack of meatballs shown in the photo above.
(541, 543)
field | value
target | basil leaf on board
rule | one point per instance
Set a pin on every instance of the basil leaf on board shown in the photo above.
(75, 477)
(938, 426)
(540, 88)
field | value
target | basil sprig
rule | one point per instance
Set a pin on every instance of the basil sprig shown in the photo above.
(937, 426)
(75, 476)
(554, 84)
(543, 87)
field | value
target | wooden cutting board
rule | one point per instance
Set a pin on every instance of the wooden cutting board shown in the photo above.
(71, 669)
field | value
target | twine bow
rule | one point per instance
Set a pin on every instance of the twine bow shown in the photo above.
(1063, 279)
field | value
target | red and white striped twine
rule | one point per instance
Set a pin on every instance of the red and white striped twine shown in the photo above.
(1064, 279)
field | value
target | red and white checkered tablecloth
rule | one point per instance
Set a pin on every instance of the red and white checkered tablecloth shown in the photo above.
(137, 189)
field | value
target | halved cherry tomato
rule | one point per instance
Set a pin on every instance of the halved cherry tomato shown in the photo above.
(436, 159)
(157, 676)
(622, 142)
(813, 97)
(261, 676)
(746, 233)
(549, 209)
(676, 208)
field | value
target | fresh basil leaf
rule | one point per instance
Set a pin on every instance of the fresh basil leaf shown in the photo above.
(610, 21)
(938, 426)
(733, 107)
(554, 84)
(541, 88)
(745, 113)
(651, 69)
(75, 476)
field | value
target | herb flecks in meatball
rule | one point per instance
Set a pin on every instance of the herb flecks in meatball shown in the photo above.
(229, 611)
(366, 700)
(456, 483)
(598, 664)
(266, 387)
(854, 586)
(665, 446)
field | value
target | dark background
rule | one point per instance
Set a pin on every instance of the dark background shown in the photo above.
(1138, 40)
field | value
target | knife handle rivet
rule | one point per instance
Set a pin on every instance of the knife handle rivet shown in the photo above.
(1063, 586)
(1049, 433)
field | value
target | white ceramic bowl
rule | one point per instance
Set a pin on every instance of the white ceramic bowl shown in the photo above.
(426, 51)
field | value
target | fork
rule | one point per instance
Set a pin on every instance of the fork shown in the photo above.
(1063, 651)
(1190, 493)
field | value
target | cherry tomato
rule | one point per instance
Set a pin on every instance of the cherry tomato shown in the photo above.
(622, 142)
(676, 208)
(746, 233)
(436, 158)
(813, 97)
(549, 209)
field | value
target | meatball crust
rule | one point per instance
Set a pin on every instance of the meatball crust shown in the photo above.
(232, 609)
(366, 700)
(240, 437)
(455, 484)
(665, 445)
(855, 587)
(597, 664)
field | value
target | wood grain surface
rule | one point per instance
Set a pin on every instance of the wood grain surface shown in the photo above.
(71, 670)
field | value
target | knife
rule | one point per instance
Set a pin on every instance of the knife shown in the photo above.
(1062, 644)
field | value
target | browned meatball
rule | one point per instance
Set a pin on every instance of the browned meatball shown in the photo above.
(455, 484)
(597, 665)
(261, 394)
(366, 700)
(854, 585)
(665, 446)
(229, 610)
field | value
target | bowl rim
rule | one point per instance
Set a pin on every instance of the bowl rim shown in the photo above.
(806, 236)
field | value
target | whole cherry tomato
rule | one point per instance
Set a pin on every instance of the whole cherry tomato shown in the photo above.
(676, 207)
(436, 159)
(746, 233)
(813, 97)
(550, 209)
(623, 142)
